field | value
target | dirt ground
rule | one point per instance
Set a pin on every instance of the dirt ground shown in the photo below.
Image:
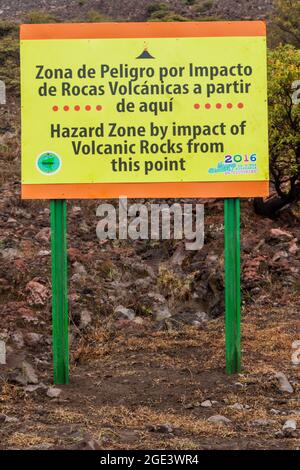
(143, 390)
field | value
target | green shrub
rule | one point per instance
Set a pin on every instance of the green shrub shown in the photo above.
(7, 27)
(284, 130)
(155, 7)
(285, 23)
(94, 16)
(208, 18)
(174, 17)
(162, 12)
(202, 6)
(39, 17)
(158, 15)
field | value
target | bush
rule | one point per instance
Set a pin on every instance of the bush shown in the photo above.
(208, 18)
(39, 17)
(158, 15)
(202, 6)
(169, 17)
(285, 25)
(162, 12)
(284, 130)
(155, 7)
(7, 27)
(94, 16)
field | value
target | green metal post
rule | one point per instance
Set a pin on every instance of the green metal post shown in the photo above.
(232, 285)
(60, 321)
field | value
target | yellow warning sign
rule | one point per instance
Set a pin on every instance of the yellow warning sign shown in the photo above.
(144, 109)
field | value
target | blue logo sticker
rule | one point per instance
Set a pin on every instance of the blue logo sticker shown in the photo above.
(48, 163)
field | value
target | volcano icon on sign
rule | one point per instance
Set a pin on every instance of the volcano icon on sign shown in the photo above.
(145, 54)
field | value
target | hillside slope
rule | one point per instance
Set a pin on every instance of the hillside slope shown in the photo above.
(134, 10)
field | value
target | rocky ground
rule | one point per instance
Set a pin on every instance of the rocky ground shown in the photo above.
(136, 10)
(146, 318)
(146, 332)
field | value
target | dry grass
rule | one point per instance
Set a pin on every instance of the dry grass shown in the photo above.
(142, 416)
(9, 392)
(267, 348)
(64, 415)
(21, 440)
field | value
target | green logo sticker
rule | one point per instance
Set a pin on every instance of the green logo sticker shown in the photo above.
(48, 163)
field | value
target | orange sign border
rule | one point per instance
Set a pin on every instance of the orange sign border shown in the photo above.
(146, 190)
(143, 30)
